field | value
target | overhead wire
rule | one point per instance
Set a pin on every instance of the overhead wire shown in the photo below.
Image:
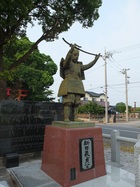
(116, 89)
(95, 69)
(118, 67)
(114, 64)
(129, 58)
(127, 48)
(120, 84)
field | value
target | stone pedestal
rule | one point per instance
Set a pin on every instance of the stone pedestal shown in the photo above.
(73, 152)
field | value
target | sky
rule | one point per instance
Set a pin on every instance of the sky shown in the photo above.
(117, 31)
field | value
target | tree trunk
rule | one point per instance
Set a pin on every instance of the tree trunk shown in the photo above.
(2, 90)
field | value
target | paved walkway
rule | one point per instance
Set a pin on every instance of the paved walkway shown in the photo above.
(29, 174)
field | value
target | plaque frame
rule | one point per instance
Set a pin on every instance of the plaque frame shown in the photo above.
(89, 149)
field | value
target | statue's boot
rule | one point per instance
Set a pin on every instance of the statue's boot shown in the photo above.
(75, 113)
(67, 111)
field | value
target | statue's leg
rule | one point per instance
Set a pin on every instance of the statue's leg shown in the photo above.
(67, 111)
(75, 113)
(68, 101)
(77, 103)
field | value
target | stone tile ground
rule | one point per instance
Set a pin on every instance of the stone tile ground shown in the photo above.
(126, 160)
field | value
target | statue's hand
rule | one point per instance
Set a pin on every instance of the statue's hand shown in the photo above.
(97, 56)
(72, 46)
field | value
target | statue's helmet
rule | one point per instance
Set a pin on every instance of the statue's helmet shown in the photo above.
(75, 54)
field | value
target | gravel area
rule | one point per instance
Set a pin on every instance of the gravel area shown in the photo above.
(126, 155)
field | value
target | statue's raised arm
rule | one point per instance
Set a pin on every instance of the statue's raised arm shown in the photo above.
(92, 63)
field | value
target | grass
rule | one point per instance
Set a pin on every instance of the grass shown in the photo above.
(125, 147)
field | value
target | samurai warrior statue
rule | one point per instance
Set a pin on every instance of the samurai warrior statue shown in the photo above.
(71, 88)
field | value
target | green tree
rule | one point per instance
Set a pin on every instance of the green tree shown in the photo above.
(137, 109)
(130, 109)
(120, 107)
(35, 74)
(54, 17)
(91, 107)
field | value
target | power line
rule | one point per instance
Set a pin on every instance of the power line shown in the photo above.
(117, 84)
(116, 68)
(129, 58)
(95, 88)
(125, 49)
(128, 48)
(112, 85)
(134, 82)
(134, 87)
(124, 83)
(115, 89)
(95, 69)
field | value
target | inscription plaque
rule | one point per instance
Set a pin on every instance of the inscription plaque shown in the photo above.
(86, 154)
(22, 124)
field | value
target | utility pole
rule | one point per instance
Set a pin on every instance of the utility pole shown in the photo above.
(106, 55)
(106, 103)
(126, 91)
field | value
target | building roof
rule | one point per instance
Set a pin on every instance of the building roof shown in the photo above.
(93, 94)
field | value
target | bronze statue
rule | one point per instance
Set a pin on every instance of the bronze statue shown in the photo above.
(71, 88)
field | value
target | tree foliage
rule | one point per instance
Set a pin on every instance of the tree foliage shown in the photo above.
(92, 108)
(120, 107)
(35, 74)
(137, 109)
(54, 17)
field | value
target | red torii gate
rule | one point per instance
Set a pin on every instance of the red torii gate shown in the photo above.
(21, 93)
